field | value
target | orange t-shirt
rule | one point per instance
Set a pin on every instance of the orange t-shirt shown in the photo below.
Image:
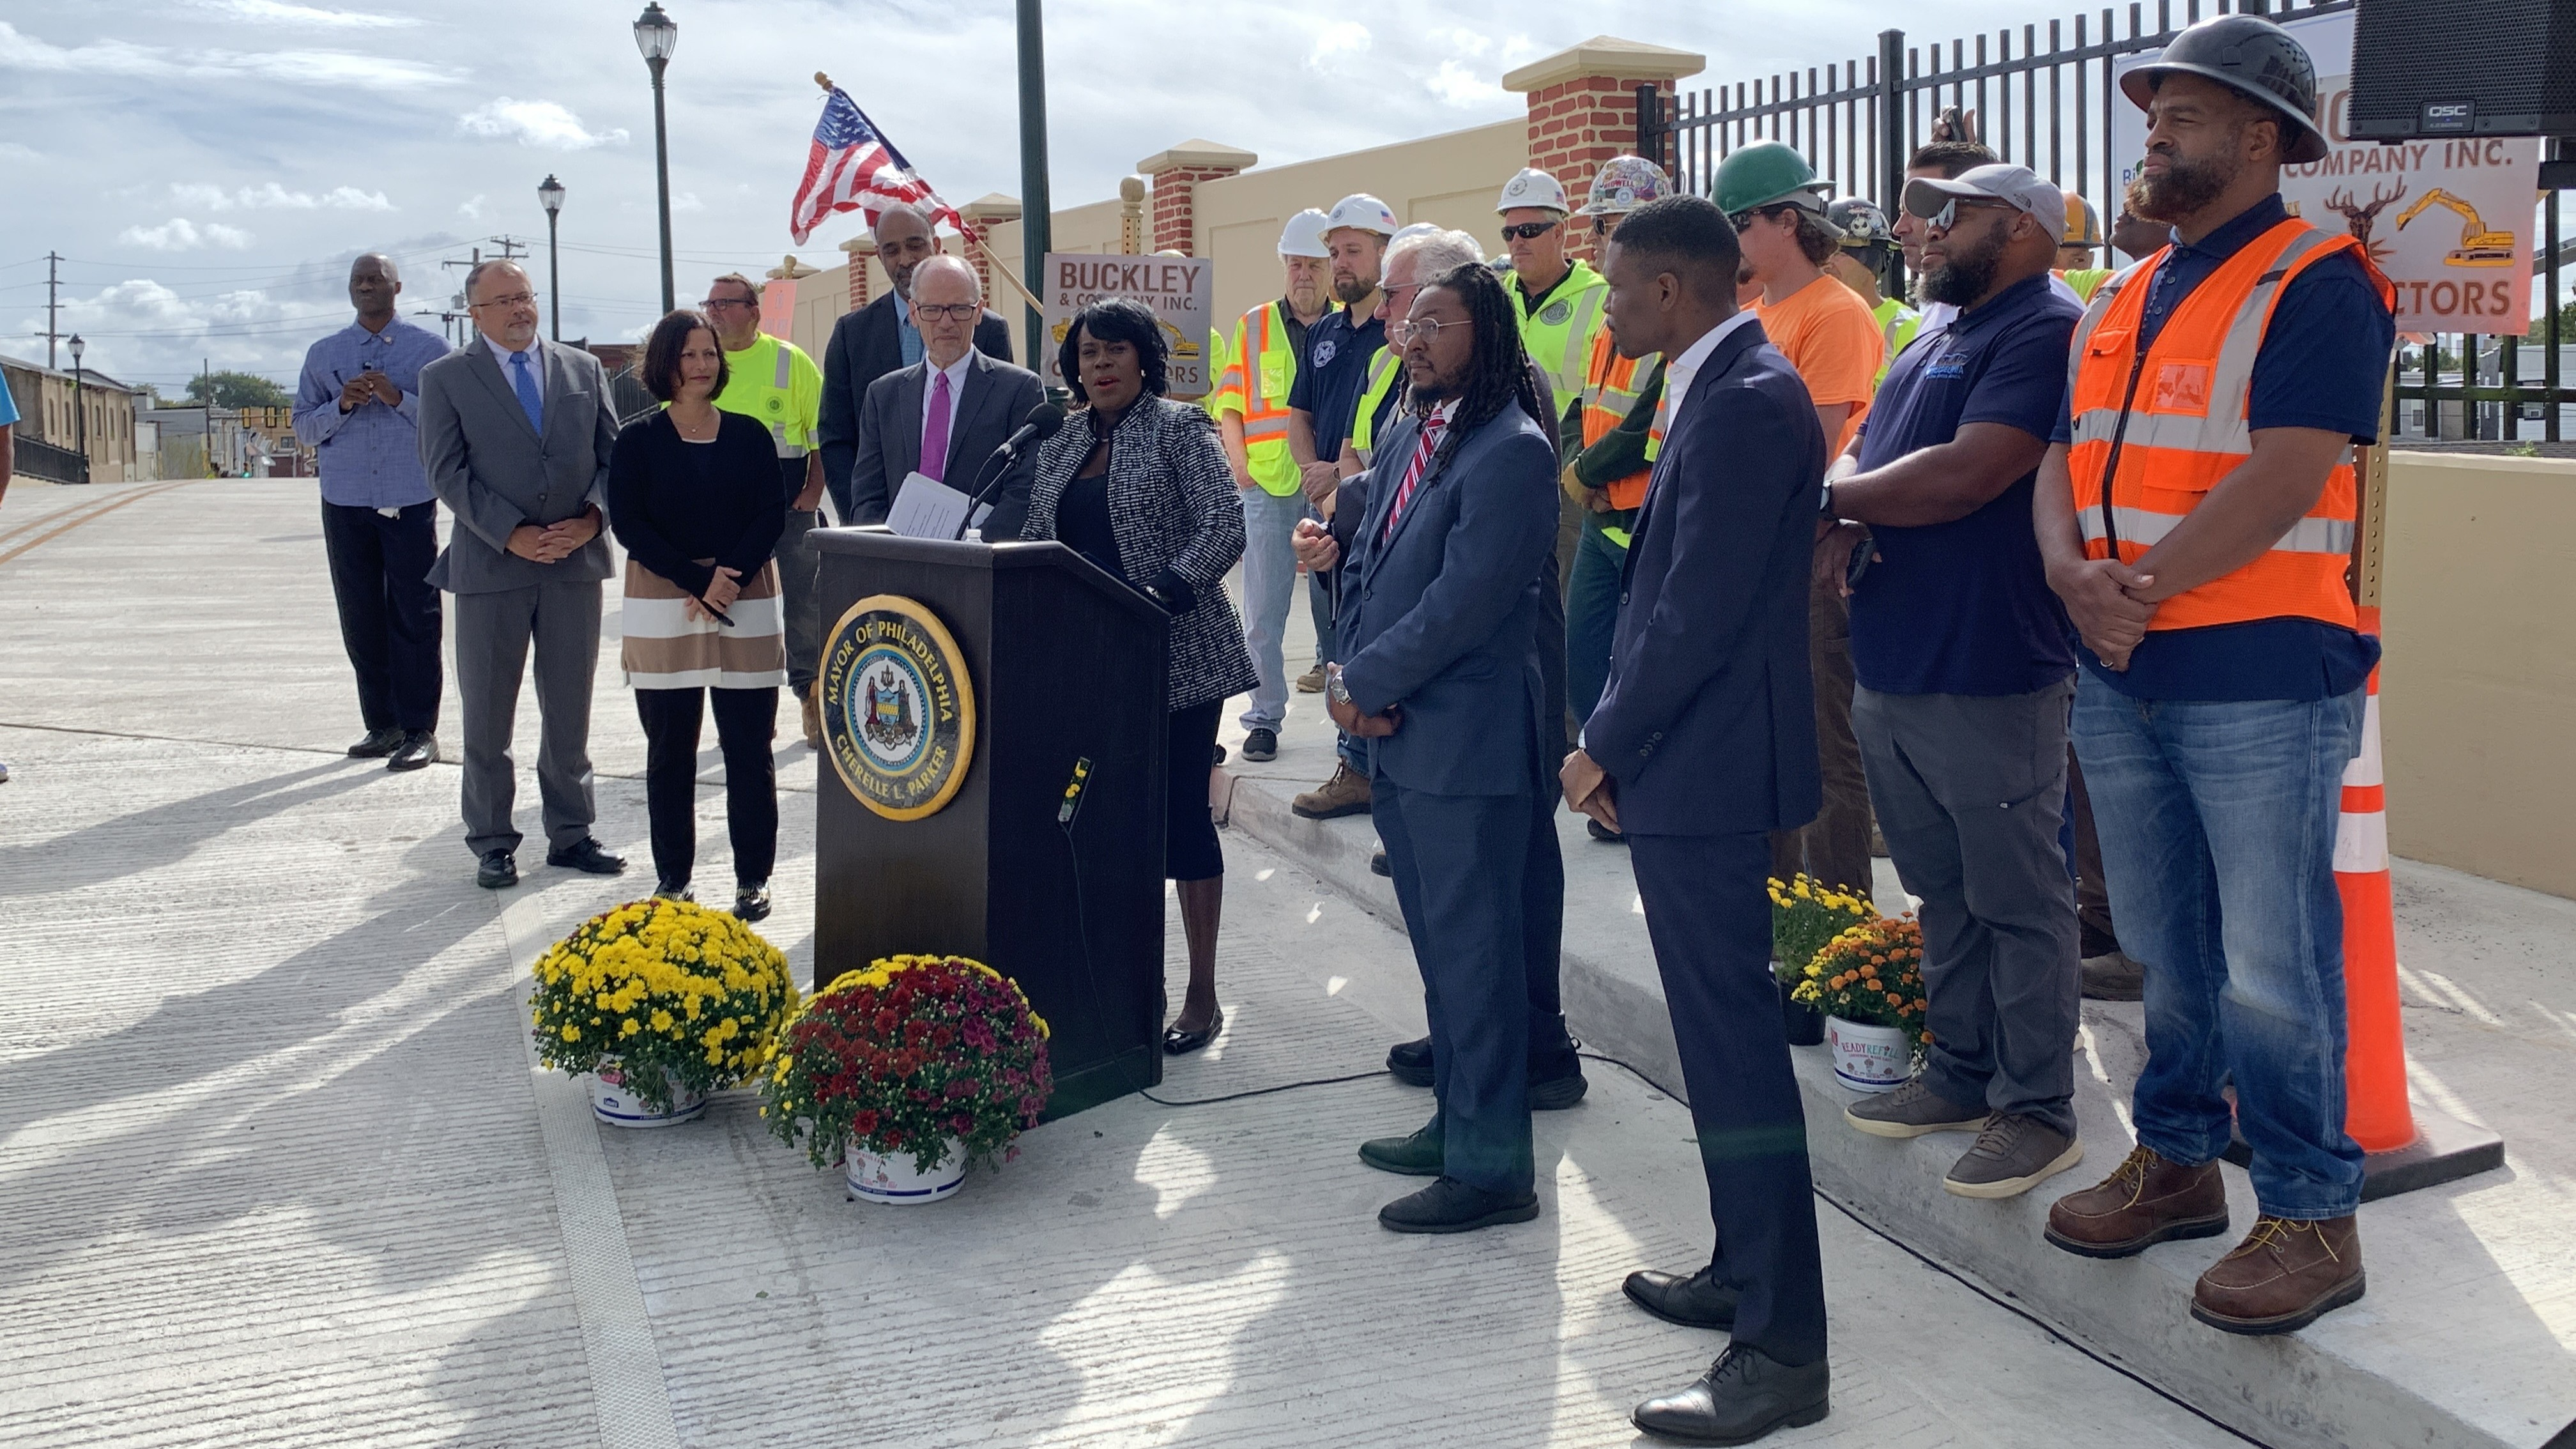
(1827, 333)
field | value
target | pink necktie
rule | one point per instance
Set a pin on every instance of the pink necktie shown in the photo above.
(1431, 427)
(934, 432)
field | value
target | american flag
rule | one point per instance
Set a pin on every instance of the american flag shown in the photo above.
(853, 167)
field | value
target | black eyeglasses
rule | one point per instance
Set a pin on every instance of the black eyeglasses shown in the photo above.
(953, 311)
(1531, 230)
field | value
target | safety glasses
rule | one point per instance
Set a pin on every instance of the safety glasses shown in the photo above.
(1530, 230)
(1948, 216)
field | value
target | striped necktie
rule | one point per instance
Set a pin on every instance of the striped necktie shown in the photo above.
(1413, 472)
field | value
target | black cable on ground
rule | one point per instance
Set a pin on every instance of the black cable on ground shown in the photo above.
(1979, 1289)
(1262, 1091)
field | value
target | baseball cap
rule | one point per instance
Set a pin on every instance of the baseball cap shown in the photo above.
(2016, 186)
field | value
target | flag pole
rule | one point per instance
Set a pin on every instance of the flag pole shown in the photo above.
(1036, 212)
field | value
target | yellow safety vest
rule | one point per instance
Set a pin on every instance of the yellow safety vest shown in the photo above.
(2085, 280)
(1897, 324)
(1382, 370)
(773, 381)
(1260, 369)
(1559, 337)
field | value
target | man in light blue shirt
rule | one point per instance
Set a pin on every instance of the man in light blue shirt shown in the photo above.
(358, 406)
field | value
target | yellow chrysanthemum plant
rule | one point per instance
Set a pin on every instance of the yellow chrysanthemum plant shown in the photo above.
(1806, 914)
(906, 1056)
(1871, 974)
(664, 991)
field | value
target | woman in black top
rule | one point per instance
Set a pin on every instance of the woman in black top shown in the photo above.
(1137, 484)
(693, 496)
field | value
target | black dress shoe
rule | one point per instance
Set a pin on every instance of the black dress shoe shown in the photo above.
(1558, 1092)
(1179, 1043)
(1743, 1396)
(1378, 865)
(377, 744)
(1417, 1154)
(751, 900)
(673, 890)
(1409, 1062)
(1697, 1300)
(588, 855)
(1451, 1206)
(499, 868)
(419, 750)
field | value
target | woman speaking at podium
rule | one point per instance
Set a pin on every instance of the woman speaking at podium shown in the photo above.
(1137, 484)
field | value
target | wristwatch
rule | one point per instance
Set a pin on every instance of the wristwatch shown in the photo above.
(1337, 691)
(1826, 506)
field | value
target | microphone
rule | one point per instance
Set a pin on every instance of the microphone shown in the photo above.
(1041, 424)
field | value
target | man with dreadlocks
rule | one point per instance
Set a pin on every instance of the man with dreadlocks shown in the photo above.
(1705, 741)
(1440, 614)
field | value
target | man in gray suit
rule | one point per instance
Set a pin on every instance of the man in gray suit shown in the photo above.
(956, 396)
(515, 436)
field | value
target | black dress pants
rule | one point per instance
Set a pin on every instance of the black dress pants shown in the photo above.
(746, 724)
(390, 621)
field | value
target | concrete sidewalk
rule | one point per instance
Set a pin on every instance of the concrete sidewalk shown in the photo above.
(277, 1170)
(2468, 1335)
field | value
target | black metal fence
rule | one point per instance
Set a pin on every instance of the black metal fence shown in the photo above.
(2043, 97)
(43, 460)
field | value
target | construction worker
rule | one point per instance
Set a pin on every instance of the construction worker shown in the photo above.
(2196, 528)
(1860, 259)
(1379, 390)
(1612, 449)
(1777, 205)
(2082, 248)
(1250, 404)
(1321, 404)
(773, 380)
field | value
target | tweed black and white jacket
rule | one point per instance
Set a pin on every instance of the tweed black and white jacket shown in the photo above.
(1173, 508)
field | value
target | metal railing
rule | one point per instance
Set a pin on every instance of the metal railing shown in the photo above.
(44, 460)
(2043, 96)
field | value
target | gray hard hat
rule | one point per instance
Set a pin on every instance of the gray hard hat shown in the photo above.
(2253, 57)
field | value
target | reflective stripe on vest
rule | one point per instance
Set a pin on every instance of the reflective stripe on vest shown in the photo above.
(1609, 395)
(1381, 380)
(773, 402)
(1562, 348)
(1256, 382)
(2164, 423)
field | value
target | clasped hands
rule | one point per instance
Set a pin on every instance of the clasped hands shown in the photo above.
(555, 541)
(1314, 546)
(1589, 790)
(1347, 717)
(2102, 601)
(366, 387)
(722, 590)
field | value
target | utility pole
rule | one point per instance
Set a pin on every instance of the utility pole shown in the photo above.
(1037, 215)
(53, 305)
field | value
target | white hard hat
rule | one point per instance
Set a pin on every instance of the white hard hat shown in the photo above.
(1303, 236)
(1533, 187)
(1419, 228)
(1361, 212)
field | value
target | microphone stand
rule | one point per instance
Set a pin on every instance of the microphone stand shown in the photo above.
(1008, 455)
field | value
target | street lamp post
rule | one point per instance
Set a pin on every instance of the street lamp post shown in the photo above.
(551, 192)
(80, 413)
(657, 35)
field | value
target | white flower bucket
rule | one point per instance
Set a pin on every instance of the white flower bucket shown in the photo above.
(892, 1179)
(612, 1102)
(1868, 1058)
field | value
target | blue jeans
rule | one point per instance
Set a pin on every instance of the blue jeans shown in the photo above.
(2217, 822)
(1269, 584)
(1592, 610)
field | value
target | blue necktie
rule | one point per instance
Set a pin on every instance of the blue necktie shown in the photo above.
(525, 383)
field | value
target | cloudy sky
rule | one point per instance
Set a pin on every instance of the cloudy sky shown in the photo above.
(208, 167)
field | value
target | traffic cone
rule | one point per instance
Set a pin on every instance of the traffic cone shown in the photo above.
(2374, 1064)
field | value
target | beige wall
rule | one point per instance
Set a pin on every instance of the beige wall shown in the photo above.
(2478, 691)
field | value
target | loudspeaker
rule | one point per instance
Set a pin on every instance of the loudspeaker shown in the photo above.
(2463, 68)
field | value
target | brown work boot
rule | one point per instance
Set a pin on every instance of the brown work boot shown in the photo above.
(2285, 1275)
(1347, 793)
(1312, 681)
(2145, 1201)
(2113, 976)
(814, 720)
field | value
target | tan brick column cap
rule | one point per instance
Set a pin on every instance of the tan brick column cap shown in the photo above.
(1606, 55)
(1196, 155)
(991, 207)
(790, 269)
(862, 245)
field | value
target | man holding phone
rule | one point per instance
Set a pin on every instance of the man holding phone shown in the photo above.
(358, 407)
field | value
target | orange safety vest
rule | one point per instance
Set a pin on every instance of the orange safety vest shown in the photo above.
(2164, 423)
(1609, 395)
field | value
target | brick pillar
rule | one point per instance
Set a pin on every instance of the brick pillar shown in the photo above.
(1176, 175)
(1583, 108)
(860, 248)
(982, 215)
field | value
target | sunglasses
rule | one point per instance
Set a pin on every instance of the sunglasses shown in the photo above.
(1531, 230)
(1948, 216)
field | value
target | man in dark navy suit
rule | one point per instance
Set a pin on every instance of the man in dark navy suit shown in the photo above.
(1440, 613)
(1704, 742)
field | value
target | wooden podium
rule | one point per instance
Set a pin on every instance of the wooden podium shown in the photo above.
(962, 685)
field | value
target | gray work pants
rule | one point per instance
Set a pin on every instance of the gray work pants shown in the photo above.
(493, 632)
(1970, 792)
(800, 591)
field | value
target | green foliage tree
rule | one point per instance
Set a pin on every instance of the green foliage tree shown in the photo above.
(2566, 327)
(238, 390)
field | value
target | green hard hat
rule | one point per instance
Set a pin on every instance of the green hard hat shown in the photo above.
(1764, 174)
